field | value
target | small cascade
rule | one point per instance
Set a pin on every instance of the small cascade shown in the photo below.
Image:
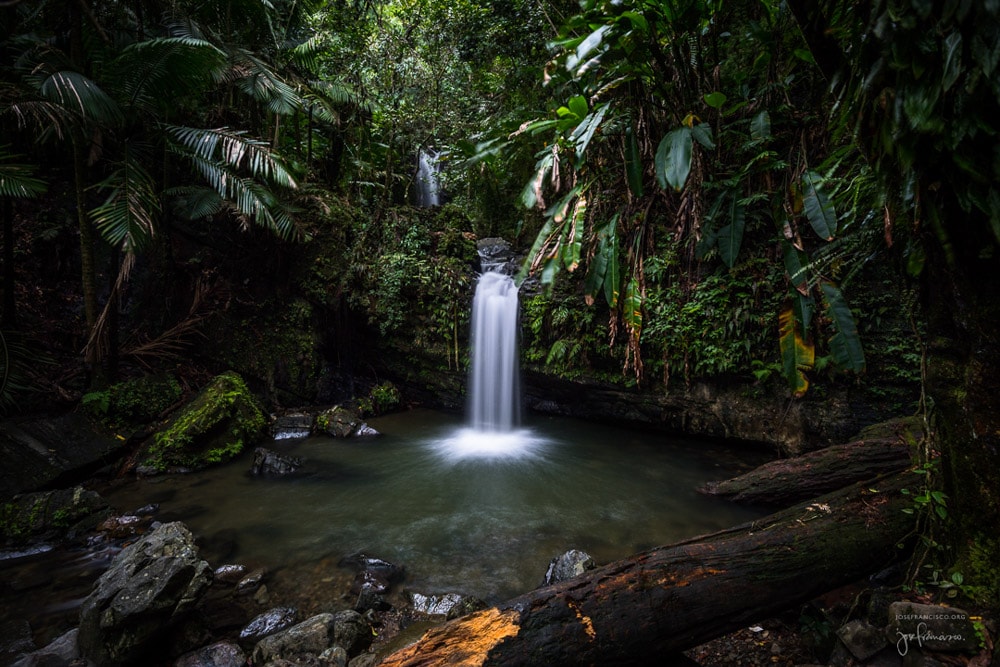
(494, 392)
(428, 184)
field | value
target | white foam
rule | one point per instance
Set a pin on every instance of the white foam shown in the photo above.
(472, 444)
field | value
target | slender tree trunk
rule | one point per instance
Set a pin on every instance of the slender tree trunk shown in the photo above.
(88, 270)
(9, 319)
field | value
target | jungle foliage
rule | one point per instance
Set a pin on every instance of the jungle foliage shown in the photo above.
(678, 181)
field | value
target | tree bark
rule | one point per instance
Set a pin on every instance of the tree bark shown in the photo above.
(784, 482)
(672, 598)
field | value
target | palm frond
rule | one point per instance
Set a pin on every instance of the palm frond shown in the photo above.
(127, 218)
(194, 202)
(81, 95)
(235, 149)
(153, 71)
(257, 79)
(17, 180)
(251, 199)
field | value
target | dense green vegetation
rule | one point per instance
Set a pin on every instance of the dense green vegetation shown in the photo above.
(791, 193)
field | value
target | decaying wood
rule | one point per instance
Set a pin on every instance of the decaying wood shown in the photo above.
(634, 611)
(787, 481)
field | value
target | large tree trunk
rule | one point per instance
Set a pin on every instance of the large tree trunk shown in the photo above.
(784, 482)
(672, 598)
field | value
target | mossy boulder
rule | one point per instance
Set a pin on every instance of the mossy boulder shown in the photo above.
(222, 419)
(49, 513)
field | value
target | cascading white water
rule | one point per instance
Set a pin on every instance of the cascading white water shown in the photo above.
(428, 185)
(494, 397)
(494, 392)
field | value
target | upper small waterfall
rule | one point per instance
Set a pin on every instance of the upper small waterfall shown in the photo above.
(428, 184)
(494, 391)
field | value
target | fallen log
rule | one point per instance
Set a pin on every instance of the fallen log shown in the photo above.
(671, 598)
(784, 482)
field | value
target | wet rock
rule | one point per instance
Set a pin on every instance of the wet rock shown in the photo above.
(291, 425)
(434, 605)
(310, 637)
(465, 606)
(147, 510)
(365, 431)
(933, 627)
(230, 573)
(862, 639)
(364, 660)
(219, 654)
(340, 422)
(120, 527)
(268, 623)
(267, 462)
(335, 656)
(251, 582)
(63, 650)
(148, 589)
(15, 638)
(375, 577)
(571, 564)
(496, 254)
(351, 631)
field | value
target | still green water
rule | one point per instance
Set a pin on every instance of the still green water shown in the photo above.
(485, 524)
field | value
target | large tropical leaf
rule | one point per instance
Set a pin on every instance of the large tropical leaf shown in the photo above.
(598, 268)
(612, 275)
(574, 241)
(584, 132)
(797, 354)
(818, 207)
(845, 345)
(730, 236)
(673, 158)
(632, 306)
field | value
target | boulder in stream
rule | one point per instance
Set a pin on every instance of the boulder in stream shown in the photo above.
(346, 629)
(271, 463)
(149, 587)
(339, 422)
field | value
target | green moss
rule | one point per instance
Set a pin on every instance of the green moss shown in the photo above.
(213, 427)
(980, 566)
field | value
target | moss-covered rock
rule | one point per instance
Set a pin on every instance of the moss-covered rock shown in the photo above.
(222, 419)
(339, 422)
(32, 515)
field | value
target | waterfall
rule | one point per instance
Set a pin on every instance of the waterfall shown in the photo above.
(427, 184)
(494, 392)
